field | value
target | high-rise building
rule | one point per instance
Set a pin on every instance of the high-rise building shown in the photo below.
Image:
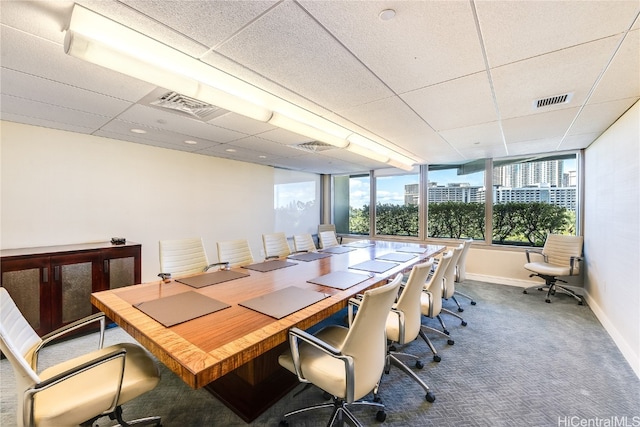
(520, 175)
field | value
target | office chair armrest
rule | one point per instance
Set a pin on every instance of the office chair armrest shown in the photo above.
(572, 263)
(401, 324)
(119, 354)
(538, 252)
(96, 317)
(296, 334)
(271, 257)
(164, 276)
(353, 304)
(215, 264)
(339, 239)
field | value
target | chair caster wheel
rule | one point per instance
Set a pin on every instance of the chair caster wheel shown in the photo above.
(451, 342)
(326, 396)
(524, 292)
(436, 358)
(430, 397)
(377, 399)
(283, 423)
(381, 416)
(392, 348)
(473, 303)
(419, 364)
(580, 302)
(460, 310)
(463, 323)
(547, 300)
(446, 331)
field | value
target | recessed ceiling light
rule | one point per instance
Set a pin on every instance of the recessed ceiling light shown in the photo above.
(230, 150)
(387, 14)
(138, 131)
(191, 142)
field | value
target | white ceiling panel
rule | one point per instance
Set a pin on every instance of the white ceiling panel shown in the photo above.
(418, 82)
(516, 30)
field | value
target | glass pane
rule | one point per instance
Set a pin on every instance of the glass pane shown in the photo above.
(456, 197)
(296, 202)
(534, 197)
(76, 291)
(24, 288)
(351, 203)
(397, 203)
(121, 272)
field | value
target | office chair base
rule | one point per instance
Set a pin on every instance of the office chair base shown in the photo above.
(451, 313)
(552, 287)
(392, 359)
(148, 421)
(340, 412)
(466, 296)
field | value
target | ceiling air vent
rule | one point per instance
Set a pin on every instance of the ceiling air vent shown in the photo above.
(313, 146)
(183, 105)
(553, 100)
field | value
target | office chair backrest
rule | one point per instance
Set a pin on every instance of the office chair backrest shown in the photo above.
(366, 339)
(304, 242)
(18, 341)
(180, 257)
(328, 239)
(409, 301)
(559, 249)
(461, 270)
(236, 252)
(449, 285)
(275, 245)
(435, 285)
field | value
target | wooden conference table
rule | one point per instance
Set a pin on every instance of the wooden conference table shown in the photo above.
(233, 352)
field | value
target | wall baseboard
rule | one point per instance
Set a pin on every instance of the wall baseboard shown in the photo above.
(632, 356)
(502, 280)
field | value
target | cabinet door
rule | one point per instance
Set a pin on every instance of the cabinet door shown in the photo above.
(121, 267)
(28, 281)
(75, 277)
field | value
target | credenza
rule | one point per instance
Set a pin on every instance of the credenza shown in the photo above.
(52, 285)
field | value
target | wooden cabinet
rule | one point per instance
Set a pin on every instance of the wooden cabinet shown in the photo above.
(52, 285)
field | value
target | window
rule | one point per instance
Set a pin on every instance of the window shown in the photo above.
(296, 197)
(534, 197)
(351, 199)
(397, 202)
(456, 201)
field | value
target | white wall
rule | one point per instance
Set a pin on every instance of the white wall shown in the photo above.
(61, 187)
(612, 232)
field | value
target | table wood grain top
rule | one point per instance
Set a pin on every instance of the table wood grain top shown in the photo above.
(204, 349)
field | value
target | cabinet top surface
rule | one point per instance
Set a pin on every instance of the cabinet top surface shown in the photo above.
(42, 250)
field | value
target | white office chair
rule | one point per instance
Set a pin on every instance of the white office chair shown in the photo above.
(327, 239)
(461, 270)
(346, 363)
(329, 227)
(275, 245)
(560, 256)
(449, 285)
(404, 322)
(431, 302)
(236, 253)
(304, 243)
(80, 390)
(182, 257)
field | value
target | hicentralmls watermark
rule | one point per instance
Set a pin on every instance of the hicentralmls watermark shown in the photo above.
(614, 421)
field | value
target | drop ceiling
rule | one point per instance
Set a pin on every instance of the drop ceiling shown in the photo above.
(440, 82)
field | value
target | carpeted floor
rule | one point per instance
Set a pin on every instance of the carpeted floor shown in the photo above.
(519, 362)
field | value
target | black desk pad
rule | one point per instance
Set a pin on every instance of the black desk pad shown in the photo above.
(340, 279)
(397, 257)
(208, 279)
(338, 250)
(269, 265)
(309, 256)
(412, 249)
(283, 302)
(180, 308)
(374, 266)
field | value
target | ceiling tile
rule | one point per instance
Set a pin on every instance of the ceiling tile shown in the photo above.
(538, 126)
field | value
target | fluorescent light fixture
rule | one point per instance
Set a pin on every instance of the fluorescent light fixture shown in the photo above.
(104, 42)
(99, 40)
(361, 151)
(308, 130)
(397, 164)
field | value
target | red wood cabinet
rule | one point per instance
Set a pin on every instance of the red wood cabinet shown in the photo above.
(52, 285)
